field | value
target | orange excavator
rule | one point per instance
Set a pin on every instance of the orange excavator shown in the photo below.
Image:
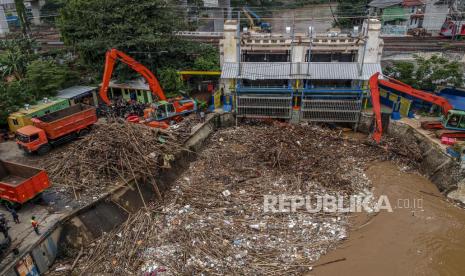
(451, 125)
(163, 110)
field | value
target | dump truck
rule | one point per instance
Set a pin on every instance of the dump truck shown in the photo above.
(20, 183)
(23, 116)
(56, 128)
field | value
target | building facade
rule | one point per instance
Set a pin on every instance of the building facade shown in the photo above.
(8, 15)
(299, 77)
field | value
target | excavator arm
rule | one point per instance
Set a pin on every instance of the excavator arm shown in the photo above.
(396, 85)
(111, 57)
(374, 89)
(249, 18)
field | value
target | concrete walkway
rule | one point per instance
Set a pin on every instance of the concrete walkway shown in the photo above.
(22, 234)
(47, 212)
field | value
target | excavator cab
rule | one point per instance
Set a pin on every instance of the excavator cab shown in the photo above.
(455, 119)
(163, 110)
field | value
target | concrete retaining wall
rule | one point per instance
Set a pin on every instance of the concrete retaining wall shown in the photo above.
(103, 215)
(439, 167)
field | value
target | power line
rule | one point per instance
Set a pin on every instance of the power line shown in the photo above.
(276, 18)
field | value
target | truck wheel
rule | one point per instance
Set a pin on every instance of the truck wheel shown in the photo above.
(83, 132)
(44, 149)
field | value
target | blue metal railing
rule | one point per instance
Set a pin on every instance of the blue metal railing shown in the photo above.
(328, 92)
(264, 89)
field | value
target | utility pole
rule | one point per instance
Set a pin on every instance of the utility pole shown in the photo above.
(21, 10)
(238, 43)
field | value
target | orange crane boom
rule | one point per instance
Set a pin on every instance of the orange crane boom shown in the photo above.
(111, 57)
(374, 83)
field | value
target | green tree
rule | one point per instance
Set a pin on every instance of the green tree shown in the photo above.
(12, 97)
(209, 61)
(427, 73)
(171, 81)
(15, 56)
(23, 20)
(401, 70)
(143, 28)
(44, 78)
(435, 71)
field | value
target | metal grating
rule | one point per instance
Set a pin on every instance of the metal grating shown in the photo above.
(264, 106)
(331, 109)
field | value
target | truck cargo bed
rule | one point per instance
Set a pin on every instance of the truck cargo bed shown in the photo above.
(66, 121)
(20, 183)
(60, 114)
(13, 180)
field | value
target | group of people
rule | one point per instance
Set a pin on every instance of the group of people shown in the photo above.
(4, 228)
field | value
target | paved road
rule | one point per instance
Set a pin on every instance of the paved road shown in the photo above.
(47, 211)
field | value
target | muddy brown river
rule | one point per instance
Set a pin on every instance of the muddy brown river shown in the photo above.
(424, 235)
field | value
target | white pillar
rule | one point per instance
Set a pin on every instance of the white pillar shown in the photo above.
(35, 8)
(3, 23)
(229, 42)
(372, 49)
(228, 51)
(298, 54)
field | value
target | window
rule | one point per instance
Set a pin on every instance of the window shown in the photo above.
(15, 122)
(453, 121)
(34, 137)
(170, 108)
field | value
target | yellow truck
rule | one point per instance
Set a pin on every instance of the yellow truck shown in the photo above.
(23, 116)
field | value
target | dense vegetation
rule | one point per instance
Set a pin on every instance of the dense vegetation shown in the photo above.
(143, 29)
(28, 77)
(427, 73)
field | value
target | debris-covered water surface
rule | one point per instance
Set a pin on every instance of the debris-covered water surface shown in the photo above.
(213, 221)
(112, 153)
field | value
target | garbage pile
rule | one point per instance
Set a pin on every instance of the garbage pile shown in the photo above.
(113, 153)
(213, 221)
(183, 129)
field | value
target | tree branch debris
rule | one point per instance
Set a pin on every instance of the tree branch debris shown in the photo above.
(212, 220)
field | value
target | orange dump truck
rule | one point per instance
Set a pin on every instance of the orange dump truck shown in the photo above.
(19, 183)
(56, 128)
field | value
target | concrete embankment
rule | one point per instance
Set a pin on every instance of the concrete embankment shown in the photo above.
(435, 164)
(88, 223)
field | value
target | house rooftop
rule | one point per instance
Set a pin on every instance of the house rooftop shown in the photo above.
(75, 92)
(384, 3)
(389, 3)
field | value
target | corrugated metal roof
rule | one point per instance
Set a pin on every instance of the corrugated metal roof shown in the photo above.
(132, 84)
(75, 91)
(314, 70)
